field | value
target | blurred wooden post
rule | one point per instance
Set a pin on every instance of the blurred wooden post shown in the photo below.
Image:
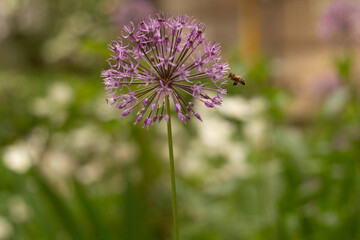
(250, 29)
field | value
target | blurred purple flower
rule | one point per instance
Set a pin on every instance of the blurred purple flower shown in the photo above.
(325, 85)
(163, 60)
(341, 22)
(132, 10)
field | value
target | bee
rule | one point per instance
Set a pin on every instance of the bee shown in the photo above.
(237, 79)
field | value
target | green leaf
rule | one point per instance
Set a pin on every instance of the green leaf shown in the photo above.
(60, 208)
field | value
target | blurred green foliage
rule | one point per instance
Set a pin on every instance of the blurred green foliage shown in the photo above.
(70, 169)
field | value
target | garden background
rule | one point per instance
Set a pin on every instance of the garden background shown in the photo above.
(279, 160)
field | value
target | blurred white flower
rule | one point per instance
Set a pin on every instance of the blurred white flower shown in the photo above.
(6, 229)
(44, 107)
(235, 107)
(53, 105)
(191, 162)
(18, 158)
(235, 166)
(255, 131)
(38, 138)
(125, 151)
(60, 93)
(60, 47)
(242, 109)
(19, 210)
(216, 132)
(41, 107)
(21, 155)
(331, 219)
(258, 105)
(90, 172)
(78, 23)
(57, 164)
(32, 16)
(89, 137)
(235, 153)
(7, 9)
(215, 140)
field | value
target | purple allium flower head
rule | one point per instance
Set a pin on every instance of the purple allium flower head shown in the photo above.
(161, 59)
(341, 22)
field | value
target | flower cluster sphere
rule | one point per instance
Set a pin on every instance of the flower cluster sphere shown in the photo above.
(163, 60)
(341, 22)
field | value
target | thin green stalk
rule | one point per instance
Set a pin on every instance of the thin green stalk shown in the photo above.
(172, 171)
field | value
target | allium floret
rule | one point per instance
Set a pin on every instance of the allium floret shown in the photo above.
(162, 60)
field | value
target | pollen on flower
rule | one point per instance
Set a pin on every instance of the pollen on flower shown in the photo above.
(160, 61)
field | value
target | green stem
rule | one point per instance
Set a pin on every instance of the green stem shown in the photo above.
(172, 171)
